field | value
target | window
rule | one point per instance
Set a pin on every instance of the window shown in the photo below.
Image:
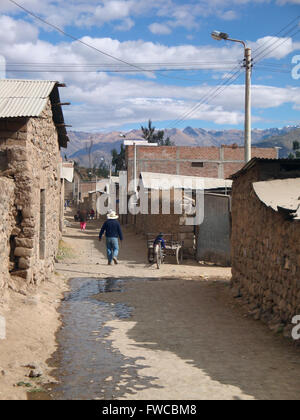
(197, 164)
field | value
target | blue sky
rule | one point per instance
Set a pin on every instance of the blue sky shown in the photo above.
(155, 39)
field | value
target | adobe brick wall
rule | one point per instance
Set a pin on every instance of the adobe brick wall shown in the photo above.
(217, 162)
(265, 256)
(33, 158)
(86, 187)
(6, 218)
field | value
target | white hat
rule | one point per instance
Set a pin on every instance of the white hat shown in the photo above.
(112, 215)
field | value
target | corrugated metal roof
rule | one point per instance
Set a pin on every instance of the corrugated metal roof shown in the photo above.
(256, 160)
(166, 181)
(24, 98)
(280, 194)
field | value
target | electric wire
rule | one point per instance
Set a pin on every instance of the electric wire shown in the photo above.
(214, 92)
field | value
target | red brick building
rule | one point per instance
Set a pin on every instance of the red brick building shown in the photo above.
(211, 162)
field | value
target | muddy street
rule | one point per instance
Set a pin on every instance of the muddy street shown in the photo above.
(132, 332)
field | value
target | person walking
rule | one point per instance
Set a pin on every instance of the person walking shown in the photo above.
(83, 220)
(113, 232)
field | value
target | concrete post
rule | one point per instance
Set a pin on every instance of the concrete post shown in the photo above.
(248, 64)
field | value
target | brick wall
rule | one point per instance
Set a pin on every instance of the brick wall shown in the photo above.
(265, 256)
(217, 162)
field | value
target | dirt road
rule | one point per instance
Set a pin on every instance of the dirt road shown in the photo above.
(187, 337)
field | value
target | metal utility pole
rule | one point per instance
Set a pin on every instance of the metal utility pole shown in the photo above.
(136, 143)
(219, 36)
(248, 140)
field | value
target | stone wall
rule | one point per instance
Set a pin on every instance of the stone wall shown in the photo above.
(265, 256)
(6, 227)
(43, 148)
(33, 160)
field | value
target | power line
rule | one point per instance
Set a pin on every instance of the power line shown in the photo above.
(73, 37)
(217, 91)
(82, 42)
(158, 64)
(278, 33)
(207, 97)
(276, 45)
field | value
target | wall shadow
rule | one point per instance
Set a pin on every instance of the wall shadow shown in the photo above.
(200, 322)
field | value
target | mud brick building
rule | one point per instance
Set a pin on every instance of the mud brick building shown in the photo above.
(265, 239)
(32, 131)
(210, 162)
(182, 226)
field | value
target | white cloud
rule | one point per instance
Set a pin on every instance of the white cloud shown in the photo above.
(102, 101)
(16, 31)
(273, 47)
(160, 29)
(283, 2)
(122, 13)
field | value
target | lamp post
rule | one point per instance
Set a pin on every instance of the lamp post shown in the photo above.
(219, 36)
(135, 143)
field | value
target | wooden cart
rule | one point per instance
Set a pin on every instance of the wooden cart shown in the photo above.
(157, 255)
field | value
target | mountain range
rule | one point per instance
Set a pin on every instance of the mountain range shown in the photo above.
(89, 149)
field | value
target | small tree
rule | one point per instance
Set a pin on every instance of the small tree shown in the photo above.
(103, 170)
(152, 136)
(118, 159)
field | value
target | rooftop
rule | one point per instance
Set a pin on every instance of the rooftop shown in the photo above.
(28, 98)
(167, 181)
(289, 164)
(282, 195)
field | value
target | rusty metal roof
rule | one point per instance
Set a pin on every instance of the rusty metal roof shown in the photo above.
(27, 98)
(282, 195)
(166, 181)
(255, 161)
(24, 98)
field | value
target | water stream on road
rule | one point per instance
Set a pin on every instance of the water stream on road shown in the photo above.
(86, 365)
(85, 358)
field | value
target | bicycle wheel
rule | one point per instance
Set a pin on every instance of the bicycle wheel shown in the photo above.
(157, 255)
(179, 255)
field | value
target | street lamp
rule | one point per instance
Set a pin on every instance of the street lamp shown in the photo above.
(219, 36)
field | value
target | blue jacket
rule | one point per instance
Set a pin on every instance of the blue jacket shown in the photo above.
(112, 229)
(160, 239)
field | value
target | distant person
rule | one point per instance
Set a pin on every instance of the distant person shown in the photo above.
(92, 214)
(113, 232)
(83, 220)
(160, 240)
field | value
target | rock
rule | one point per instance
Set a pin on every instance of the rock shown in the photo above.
(35, 373)
(23, 252)
(24, 263)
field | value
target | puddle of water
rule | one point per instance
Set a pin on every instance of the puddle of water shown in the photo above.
(86, 365)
